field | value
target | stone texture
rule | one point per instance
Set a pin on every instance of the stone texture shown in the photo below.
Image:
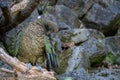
(64, 14)
(80, 35)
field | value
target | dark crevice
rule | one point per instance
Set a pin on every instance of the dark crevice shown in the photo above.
(78, 44)
(81, 18)
(111, 32)
(113, 27)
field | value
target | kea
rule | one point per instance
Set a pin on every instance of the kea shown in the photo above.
(37, 43)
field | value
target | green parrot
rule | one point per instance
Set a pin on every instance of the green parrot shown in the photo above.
(51, 56)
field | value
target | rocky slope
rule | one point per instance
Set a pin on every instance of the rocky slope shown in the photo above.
(94, 28)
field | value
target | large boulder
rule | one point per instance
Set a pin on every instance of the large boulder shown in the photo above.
(113, 44)
(80, 7)
(103, 15)
(80, 35)
(105, 74)
(92, 51)
(55, 20)
(64, 14)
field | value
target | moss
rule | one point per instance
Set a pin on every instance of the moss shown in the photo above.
(112, 28)
(63, 58)
(77, 23)
(110, 58)
(68, 37)
(97, 59)
(14, 48)
(48, 9)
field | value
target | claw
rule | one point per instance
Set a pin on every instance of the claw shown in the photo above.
(39, 67)
(29, 66)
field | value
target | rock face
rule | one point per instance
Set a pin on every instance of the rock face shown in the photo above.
(91, 52)
(32, 43)
(80, 7)
(113, 44)
(111, 74)
(80, 35)
(65, 15)
(102, 15)
(55, 20)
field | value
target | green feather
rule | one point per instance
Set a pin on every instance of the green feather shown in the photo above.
(50, 52)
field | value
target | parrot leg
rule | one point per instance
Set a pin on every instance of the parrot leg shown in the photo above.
(29, 66)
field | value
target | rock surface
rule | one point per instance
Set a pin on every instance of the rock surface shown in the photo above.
(80, 35)
(65, 15)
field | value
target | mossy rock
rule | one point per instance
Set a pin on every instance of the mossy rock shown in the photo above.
(63, 59)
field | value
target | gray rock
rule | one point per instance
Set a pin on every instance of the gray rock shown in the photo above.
(80, 7)
(113, 44)
(55, 20)
(79, 74)
(85, 34)
(64, 14)
(97, 14)
(106, 74)
(90, 52)
(75, 60)
(103, 15)
(80, 35)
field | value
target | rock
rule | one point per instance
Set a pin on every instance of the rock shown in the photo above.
(76, 59)
(80, 35)
(106, 74)
(79, 74)
(80, 7)
(63, 61)
(103, 15)
(52, 2)
(99, 17)
(65, 15)
(55, 20)
(88, 53)
(113, 44)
